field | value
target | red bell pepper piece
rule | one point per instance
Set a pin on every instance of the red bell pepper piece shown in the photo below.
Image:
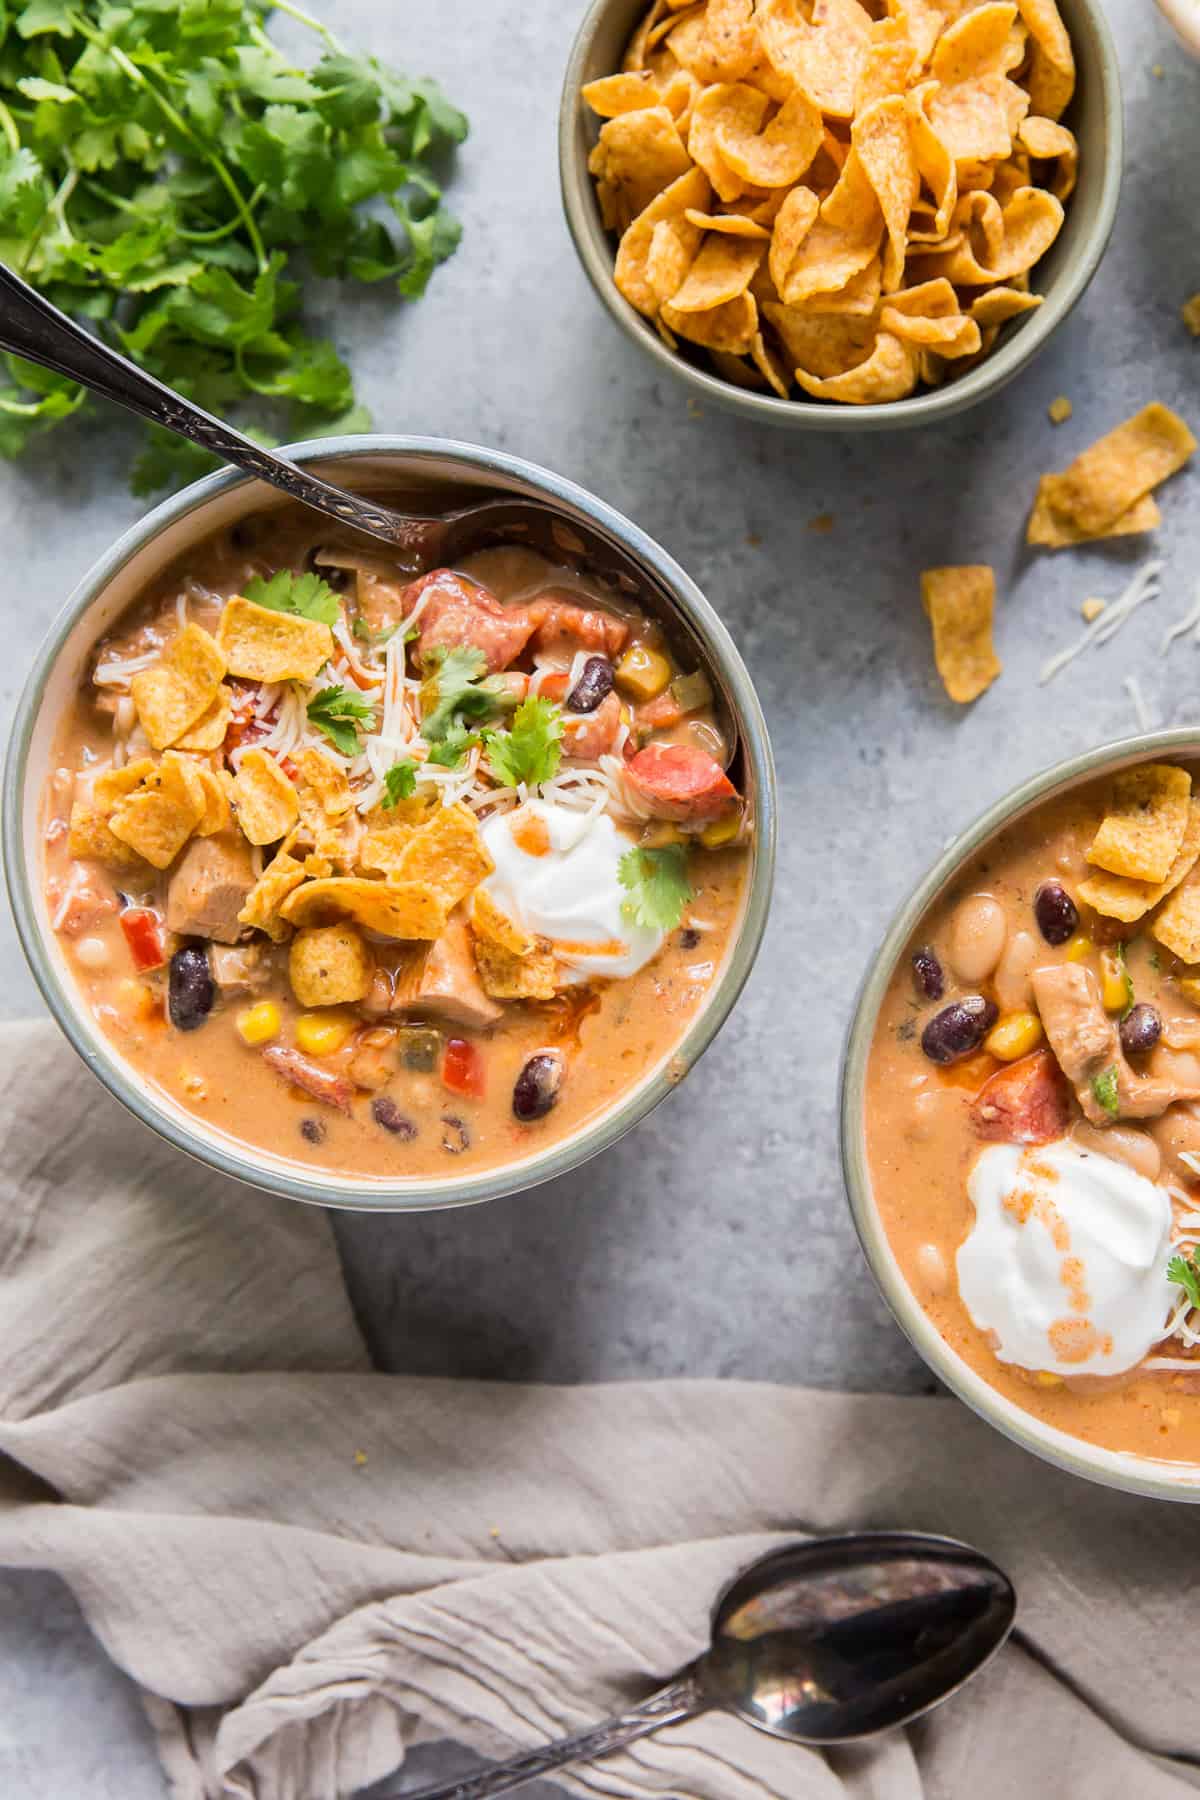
(145, 936)
(463, 1070)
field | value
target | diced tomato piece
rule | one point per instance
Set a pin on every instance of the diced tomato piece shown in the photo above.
(659, 714)
(461, 613)
(145, 936)
(561, 627)
(463, 1069)
(1028, 1102)
(680, 781)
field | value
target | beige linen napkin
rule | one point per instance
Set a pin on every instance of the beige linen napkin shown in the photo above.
(185, 1409)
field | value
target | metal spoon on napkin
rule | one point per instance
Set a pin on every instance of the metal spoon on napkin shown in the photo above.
(822, 1642)
(31, 327)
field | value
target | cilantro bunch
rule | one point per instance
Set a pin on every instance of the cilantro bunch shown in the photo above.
(164, 172)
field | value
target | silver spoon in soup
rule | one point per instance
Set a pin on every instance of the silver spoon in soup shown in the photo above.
(822, 1642)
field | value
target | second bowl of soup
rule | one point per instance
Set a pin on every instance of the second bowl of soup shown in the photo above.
(1021, 1116)
(380, 888)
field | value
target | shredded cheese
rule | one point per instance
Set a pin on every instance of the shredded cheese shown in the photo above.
(1143, 587)
(1133, 688)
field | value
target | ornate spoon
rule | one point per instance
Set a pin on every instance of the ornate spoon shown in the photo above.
(822, 1642)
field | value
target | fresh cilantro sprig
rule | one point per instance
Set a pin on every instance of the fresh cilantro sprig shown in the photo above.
(454, 702)
(1104, 1089)
(658, 886)
(165, 171)
(307, 596)
(529, 751)
(340, 714)
(400, 783)
(1185, 1273)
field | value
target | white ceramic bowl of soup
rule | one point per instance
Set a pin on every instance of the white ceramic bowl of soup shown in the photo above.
(1134, 1473)
(429, 473)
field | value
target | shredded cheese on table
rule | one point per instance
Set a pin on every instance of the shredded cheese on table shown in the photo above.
(1143, 587)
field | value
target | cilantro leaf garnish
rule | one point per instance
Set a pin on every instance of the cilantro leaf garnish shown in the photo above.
(658, 886)
(451, 694)
(340, 713)
(1104, 1089)
(307, 596)
(1185, 1273)
(167, 174)
(400, 783)
(452, 749)
(530, 749)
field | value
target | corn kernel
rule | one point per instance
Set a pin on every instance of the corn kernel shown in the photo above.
(721, 831)
(321, 1033)
(1047, 1379)
(642, 673)
(135, 1000)
(1114, 988)
(1080, 947)
(660, 835)
(259, 1024)
(1015, 1035)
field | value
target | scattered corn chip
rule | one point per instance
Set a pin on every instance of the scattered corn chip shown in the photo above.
(266, 802)
(393, 909)
(173, 695)
(1141, 834)
(114, 784)
(822, 49)
(1178, 924)
(490, 921)
(1091, 609)
(1060, 410)
(692, 192)
(262, 645)
(959, 602)
(88, 835)
(1190, 314)
(616, 94)
(281, 877)
(638, 155)
(779, 155)
(888, 373)
(1050, 531)
(1113, 474)
(1051, 78)
(735, 224)
(158, 818)
(329, 965)
(729, 327)
(1119, 898)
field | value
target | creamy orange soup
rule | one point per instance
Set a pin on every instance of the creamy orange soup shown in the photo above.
(1033, 1130)
(392, 877)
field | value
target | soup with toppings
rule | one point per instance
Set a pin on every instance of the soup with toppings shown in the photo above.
(1033, 1114)
(376, 873)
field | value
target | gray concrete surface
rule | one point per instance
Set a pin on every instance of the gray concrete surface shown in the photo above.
(715, 1240)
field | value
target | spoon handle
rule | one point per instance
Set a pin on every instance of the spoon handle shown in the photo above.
(31, 327)
(670, 1706)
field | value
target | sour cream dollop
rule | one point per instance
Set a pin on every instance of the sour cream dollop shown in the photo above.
(560, 881)
(1066, 1261)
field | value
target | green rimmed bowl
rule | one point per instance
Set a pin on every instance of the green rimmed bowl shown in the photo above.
(435, 472)
(1111, 1468)
(1062, 275)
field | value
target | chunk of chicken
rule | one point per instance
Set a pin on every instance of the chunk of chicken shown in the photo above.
(79, 900)
(442, 980)
(209, 887)
(461, 613)
(240, 968)
(1087, 1045)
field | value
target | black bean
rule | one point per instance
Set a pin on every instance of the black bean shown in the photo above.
(536, 1088)
(385, 1112)
(689, 938)
(958, 1029)
(312, 1131)
(190, 989)
(927, 973)
(455, 1136)
(594, 685)
(1141, 1029)
(1056, 913)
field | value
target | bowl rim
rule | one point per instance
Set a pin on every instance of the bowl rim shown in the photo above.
(1111, 1468)
(470, 462)
(998, 368)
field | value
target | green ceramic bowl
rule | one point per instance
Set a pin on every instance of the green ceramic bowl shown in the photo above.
(434, 472)
(1112, 1468)
(1094, 116)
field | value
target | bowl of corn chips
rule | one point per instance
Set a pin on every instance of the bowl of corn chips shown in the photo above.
(838, 215)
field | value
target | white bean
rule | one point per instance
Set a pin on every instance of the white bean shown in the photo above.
(1124, 1143)
(1014, 971)
(92, 953)
(977, 936)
